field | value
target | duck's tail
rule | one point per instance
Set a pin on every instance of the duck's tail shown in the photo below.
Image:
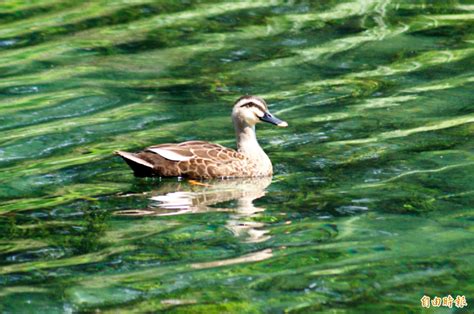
(140, 167)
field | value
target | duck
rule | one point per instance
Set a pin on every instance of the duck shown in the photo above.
(205, 160)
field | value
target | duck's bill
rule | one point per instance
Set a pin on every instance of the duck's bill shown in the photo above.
(268, 117)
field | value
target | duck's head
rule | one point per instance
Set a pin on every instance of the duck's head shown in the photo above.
(250, 110)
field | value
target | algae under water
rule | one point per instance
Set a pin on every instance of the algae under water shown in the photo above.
(371, 204)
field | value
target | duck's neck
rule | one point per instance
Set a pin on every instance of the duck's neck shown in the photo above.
(247, 144)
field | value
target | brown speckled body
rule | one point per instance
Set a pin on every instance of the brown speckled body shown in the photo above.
(208, 160)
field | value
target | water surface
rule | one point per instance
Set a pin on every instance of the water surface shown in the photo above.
(371, 204)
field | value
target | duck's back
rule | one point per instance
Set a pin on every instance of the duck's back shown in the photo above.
(192, 159)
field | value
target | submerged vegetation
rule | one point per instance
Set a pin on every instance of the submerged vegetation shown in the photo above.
(370, 207)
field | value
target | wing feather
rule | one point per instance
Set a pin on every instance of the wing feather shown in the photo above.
(171, 153)
(195, 150)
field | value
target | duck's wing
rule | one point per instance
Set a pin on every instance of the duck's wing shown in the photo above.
(195, 159)
(196, 150)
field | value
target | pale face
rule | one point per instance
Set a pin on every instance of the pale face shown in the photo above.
(252, 110)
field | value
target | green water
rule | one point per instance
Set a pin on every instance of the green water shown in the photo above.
(370, 207)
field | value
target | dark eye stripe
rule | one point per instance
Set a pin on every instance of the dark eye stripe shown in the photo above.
(252, 104)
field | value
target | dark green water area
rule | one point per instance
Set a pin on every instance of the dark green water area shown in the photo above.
(371, 204)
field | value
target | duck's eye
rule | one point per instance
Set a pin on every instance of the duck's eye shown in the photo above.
(248, 105)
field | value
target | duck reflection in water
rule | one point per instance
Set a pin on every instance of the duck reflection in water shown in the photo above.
(178, 198)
